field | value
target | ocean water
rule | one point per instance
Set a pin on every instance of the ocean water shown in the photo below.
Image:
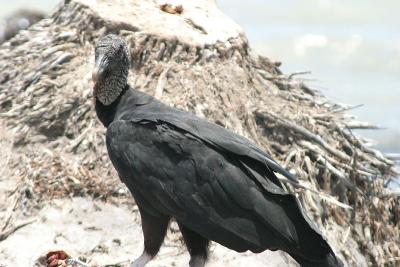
(352, 49)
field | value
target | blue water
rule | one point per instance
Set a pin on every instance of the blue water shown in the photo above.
(351, 47)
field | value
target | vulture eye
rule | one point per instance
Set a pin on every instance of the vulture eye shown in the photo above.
(121, 49)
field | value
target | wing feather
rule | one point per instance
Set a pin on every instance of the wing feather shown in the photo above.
(210, 133)
(213, 191)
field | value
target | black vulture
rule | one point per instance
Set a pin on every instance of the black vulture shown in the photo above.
(216, 184)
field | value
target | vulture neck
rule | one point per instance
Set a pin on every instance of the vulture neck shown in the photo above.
(106, 113)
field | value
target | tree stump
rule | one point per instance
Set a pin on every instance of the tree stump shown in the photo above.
(192, 56)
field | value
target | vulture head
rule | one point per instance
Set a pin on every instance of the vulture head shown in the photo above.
(110, 73)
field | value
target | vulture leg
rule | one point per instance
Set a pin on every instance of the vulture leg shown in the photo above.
(154, 230)
(196, 245)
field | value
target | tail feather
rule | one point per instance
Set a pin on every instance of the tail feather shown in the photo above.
(329, 261)
(312, 249)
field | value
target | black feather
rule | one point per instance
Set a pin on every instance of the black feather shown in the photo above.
(217, 185)
(212, 180)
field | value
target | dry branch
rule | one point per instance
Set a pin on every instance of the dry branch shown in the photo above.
(320, 194)
(304, 132)
(6, 233)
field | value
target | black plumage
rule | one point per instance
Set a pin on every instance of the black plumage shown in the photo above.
(215, 183)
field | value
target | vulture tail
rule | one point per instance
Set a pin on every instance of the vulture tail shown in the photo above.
(330, 260)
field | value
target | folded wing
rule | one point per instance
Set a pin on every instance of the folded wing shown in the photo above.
(215, 182)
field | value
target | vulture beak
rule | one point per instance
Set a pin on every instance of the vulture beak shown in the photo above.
(97, 72)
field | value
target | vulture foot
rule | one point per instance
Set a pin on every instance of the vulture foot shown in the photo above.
(197, 261)
(142, 260)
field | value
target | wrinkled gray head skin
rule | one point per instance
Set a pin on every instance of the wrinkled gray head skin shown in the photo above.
(110, 73)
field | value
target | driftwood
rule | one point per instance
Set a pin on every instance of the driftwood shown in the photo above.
(8, 232)
(195, 58)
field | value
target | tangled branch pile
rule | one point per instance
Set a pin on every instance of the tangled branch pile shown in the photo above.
(197, 60)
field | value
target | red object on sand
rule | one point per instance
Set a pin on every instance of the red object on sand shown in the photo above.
(56, 258)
